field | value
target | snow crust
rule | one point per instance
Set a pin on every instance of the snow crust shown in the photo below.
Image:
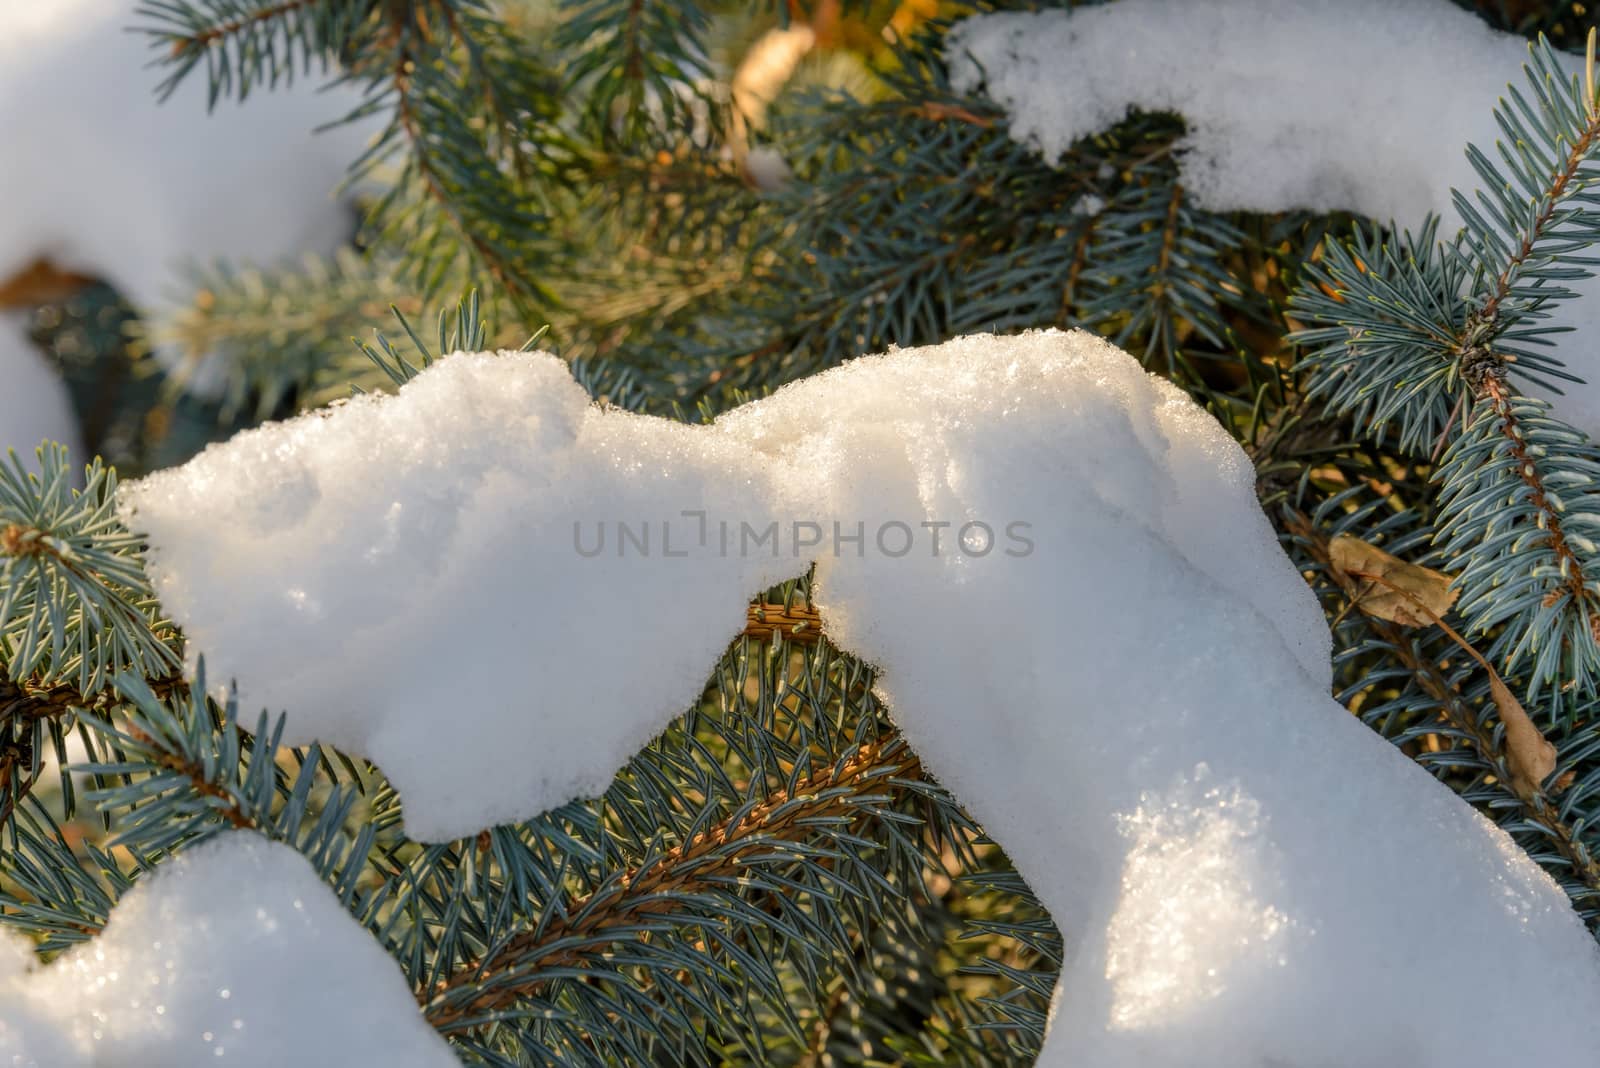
(34, 403)
(103, 179)
(1363, 106)
(233, 952)
(1136, 708)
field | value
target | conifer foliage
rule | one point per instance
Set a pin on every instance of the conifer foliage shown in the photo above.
(776, 879)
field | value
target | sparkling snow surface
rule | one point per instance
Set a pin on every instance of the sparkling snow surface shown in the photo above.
(1361, 105)
(1137, 708)
(233, 953)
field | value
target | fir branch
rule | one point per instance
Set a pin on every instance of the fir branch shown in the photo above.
(641, 898)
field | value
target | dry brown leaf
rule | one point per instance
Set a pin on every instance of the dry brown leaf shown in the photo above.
(1392, 589)
(1529, 755)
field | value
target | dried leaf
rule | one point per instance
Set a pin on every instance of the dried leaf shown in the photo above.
(1529, 755)
(1391, 588)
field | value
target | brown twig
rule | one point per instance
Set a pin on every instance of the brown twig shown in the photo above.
(27, 701)
(796, 623)
(939, 111)
(1169, 242)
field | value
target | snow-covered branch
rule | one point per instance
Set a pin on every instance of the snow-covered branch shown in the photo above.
(1135, 705)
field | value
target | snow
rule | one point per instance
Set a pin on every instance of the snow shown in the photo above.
(1130, 692)
(34, 404)
(1138, 712)
(1289, 104)
(103, 179)
(462, 494)
(233, 952)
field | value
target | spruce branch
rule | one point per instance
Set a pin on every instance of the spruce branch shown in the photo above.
(640, 72)
(1379, 343)
(1526, 244)
(55, 889)
(183, 769)
(1570, 567)
(245, 43)
(208, 36)
(280, 334)
(945, 111)
(409, 106)
(639, 901)
(25, 706)
(27, 701)
(75, 604)
(1518, 512)
(1520, 520)
(1474, 725)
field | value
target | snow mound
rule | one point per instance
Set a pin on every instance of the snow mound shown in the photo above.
(465, 494)
(1123, 679)
(1138, 711)
(104, 179)
(34, 404)
(1380, 128)
(231, 953)
(1364, 106)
